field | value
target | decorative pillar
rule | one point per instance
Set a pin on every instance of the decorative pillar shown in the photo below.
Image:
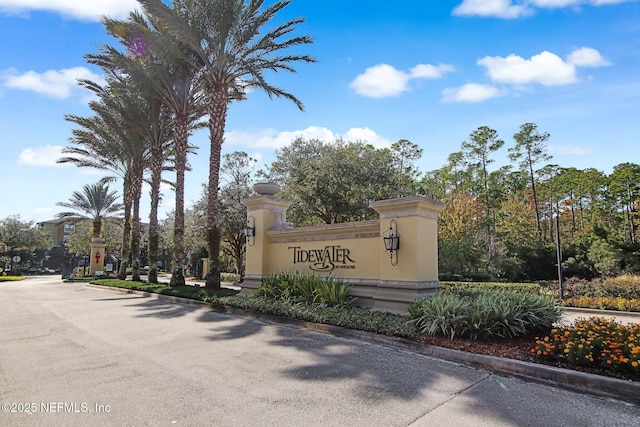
(96, 260)
(264, 212)
(415, 274)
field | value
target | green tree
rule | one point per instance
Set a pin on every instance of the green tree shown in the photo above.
(20, 238)
(95, 202)
(517, 234)
(333, 182)
(458, 228)
(230, 55)
(606, 258)
(79, 241)
(237, 170)
(624, 188)
(482, 143)
(405, 153)
(530, 150)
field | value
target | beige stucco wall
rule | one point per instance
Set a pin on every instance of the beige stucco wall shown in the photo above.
(352, 251)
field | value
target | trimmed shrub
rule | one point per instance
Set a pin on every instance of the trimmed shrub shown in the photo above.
(10, 278)
(191, 292)
(482, 314)
(524, 288)
(348, 317)
(229, 277)
(465, 277)
(627, 286)
(603, 303)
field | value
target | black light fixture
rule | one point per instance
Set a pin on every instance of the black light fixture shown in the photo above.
(250, 231)
(391, 240)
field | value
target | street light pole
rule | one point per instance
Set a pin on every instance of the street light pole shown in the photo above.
(559, 252)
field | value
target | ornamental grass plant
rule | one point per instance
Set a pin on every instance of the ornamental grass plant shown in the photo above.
(306, 288)
(483, 314)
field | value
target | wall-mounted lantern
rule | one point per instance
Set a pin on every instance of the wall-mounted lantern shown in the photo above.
(391, 240)
(250, 231)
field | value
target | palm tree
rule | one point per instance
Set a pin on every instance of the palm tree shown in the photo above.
(95, 202)
(229, 55)
(113, 140)
(167, 82)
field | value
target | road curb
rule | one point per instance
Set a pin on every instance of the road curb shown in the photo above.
(582, 382)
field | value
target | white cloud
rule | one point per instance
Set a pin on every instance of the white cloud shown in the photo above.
(78, 9)
(471, 93)
(366, 135)
(555, 4)
(45, 155)
(491, 8)
(510, 9)
(570, 149)
(545, 68)
(605, 2)
(587, 57)
(383, 80)
(270, 138)
(428, 71)
(60, 84)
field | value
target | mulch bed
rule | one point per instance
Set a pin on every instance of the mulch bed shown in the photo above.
(516, 348)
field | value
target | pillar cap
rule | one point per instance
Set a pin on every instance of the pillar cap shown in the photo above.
(266, 202)
(408, 206)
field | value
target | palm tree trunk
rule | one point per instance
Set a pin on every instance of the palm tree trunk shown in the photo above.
(154, 235)
(157, 161)
(126, 234)
(181, 135)
(136, 230)
(217, 109)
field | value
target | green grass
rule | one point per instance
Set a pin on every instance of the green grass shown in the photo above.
(191, 292)
(10, 278)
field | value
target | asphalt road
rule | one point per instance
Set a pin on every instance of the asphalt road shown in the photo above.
(76, 356)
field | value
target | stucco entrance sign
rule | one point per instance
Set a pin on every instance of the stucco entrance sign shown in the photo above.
(326, 259)
(353, 251)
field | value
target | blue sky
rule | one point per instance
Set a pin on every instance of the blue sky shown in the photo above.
(428, 71)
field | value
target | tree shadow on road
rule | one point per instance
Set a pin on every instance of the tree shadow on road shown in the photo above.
(152, 307)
